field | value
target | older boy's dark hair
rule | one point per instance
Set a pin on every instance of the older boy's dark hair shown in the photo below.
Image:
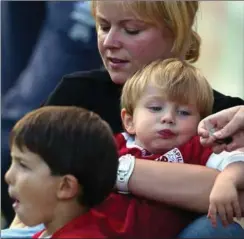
(75, 141)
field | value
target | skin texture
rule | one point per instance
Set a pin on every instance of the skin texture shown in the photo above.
(223, 204)
(123, 36)
(154, 114)
(30, 180)
(229, 122)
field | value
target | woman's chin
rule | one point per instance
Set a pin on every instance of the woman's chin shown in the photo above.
(118, 78)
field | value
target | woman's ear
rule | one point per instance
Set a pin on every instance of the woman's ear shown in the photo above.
(128, 123)
(68, 187)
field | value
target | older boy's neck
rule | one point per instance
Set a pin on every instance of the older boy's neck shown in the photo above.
(62, 216)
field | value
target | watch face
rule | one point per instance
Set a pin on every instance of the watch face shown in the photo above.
(123, 166)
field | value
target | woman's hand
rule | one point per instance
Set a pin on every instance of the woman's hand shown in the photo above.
(227, 123)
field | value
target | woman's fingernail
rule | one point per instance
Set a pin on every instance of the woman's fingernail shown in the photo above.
(217, 134)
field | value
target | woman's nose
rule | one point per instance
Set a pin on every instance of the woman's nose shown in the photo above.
(112, 39)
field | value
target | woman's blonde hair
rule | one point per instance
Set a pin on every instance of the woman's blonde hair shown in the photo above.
(178, 16)
(178, 81)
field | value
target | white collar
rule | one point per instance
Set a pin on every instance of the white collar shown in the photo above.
(131, 142)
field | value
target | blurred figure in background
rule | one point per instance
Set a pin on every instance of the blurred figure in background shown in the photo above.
(57, 38)
(20, 23)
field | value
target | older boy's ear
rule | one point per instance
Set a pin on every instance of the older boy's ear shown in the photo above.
(127, 120)
(68, 187)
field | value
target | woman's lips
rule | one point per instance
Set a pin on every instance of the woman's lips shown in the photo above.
(117, 63)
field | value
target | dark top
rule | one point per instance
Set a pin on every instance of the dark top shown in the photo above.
(94, 90)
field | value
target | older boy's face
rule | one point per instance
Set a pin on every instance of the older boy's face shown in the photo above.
(160, 124)
(32, 187)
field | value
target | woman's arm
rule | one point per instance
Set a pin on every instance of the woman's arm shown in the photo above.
(181, 185)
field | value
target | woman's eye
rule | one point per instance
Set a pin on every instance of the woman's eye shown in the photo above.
(132, 31)
(104, 28)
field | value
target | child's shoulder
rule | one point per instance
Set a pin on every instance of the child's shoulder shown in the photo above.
(121, 139)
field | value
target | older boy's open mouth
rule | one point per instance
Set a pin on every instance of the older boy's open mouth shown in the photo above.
(15, 202)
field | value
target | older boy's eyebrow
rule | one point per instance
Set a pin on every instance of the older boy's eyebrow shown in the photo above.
(16, 157)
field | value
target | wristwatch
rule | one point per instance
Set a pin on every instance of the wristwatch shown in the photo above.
(125, 169)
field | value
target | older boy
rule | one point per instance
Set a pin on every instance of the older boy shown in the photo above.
(64, 162)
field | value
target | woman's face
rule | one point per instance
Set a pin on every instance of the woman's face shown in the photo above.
(126, 43)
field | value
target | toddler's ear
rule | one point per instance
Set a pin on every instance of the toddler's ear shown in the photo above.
(128, 123)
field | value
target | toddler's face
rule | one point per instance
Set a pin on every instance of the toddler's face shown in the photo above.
(160, 124)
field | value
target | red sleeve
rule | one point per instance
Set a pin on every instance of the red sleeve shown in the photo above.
(194, 153)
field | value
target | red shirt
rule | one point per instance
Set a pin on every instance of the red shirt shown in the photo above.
(128, 216)
(89, 225)
(192, 152)
(142, 218)
(136, 217)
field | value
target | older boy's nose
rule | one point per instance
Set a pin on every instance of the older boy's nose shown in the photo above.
(9, 176)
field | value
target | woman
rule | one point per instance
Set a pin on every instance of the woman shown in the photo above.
(130, 35)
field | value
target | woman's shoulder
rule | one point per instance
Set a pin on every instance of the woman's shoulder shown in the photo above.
(93, 90)
(80, 77)
(222, 101)
(79, 88)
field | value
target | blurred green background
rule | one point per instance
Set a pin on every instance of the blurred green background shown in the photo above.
(221, 26)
